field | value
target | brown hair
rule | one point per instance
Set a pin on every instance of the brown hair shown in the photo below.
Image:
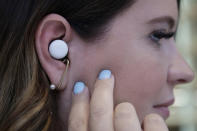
(25, 100)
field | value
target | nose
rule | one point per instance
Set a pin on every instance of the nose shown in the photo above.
(179, 71)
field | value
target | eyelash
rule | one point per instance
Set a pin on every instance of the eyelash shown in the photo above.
(156, 36)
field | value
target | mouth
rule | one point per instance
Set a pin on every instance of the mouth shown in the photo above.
(163, 108)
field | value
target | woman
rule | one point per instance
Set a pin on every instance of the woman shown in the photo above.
(133, 40)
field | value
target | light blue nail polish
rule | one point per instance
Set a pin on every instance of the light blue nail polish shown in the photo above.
(105, 74)
(79, 87)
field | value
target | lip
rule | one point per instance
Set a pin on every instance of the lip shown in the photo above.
(163, 108)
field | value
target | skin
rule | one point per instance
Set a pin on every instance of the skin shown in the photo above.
(145, 71)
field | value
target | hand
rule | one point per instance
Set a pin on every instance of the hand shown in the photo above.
(98, 114)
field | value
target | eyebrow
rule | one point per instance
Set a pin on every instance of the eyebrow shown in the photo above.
(165, 19)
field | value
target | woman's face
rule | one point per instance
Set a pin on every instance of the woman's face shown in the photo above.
(139, 49)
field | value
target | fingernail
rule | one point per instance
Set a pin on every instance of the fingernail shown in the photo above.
(78, 88)
(105, 74)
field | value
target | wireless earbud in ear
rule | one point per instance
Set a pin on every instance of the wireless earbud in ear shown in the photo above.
(58, 49)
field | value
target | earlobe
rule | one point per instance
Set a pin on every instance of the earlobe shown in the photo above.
(52, 38)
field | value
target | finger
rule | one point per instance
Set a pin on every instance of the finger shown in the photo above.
(78, 117)
(125, 118)
(154, 122)
(101, 104)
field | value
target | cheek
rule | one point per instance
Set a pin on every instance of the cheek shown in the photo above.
(141, 82)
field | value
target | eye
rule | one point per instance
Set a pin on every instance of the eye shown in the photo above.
(156, 36)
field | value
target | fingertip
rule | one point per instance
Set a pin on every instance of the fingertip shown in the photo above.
(125, 110)
(153, 118)
(104, 74)
(80, 93)
(80, 89)
(154, 122)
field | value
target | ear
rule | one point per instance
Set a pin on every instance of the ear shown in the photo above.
(52, 27)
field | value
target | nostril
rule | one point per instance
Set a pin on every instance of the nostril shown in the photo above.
(186, 77)
(180, 75)
(182, 81)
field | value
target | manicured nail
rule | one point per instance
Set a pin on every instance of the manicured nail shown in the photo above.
(105, 74)
(78, 88)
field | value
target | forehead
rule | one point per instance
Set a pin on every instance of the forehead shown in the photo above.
(149, 9)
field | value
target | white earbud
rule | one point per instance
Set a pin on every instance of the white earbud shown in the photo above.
(58, 49)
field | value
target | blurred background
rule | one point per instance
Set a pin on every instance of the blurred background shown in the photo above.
(184, 111)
